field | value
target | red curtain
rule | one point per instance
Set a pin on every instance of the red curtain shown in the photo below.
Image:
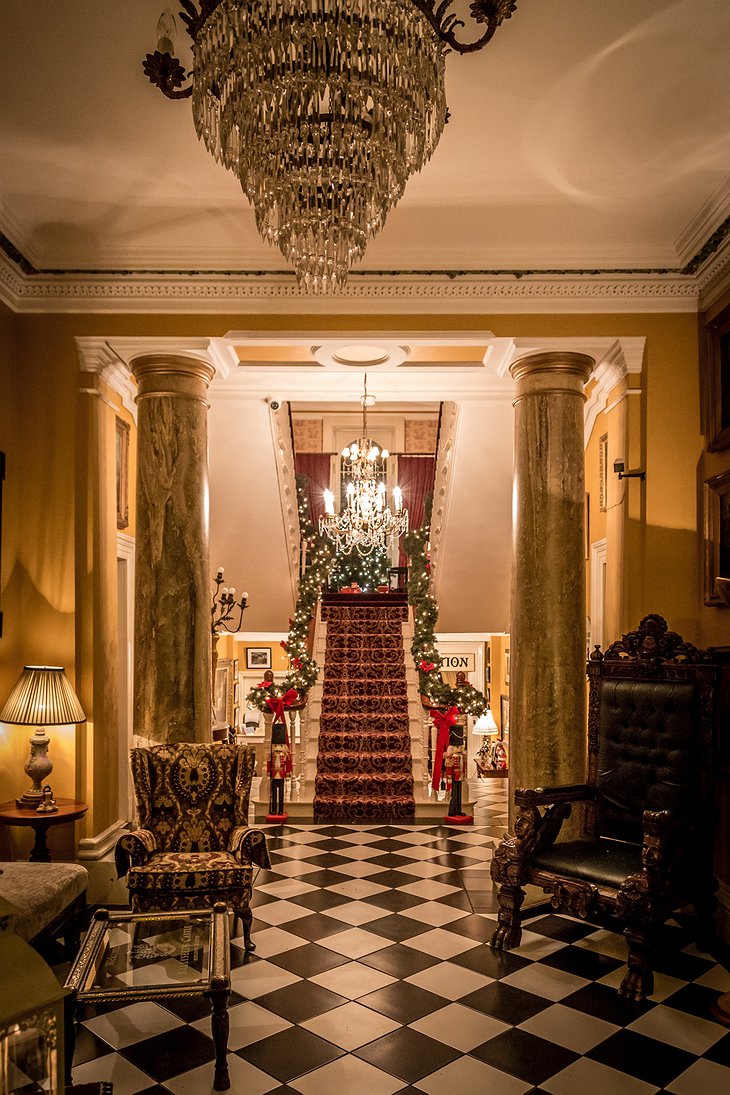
(316, 467)
(415, 478)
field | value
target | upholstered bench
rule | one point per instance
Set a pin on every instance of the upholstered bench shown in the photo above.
(46, 899)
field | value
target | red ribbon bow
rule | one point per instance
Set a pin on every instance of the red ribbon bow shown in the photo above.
(426, 666)
(443, 721)
(278, 704)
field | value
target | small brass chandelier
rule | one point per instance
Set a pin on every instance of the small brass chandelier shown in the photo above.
(366, 523)
(322, 108)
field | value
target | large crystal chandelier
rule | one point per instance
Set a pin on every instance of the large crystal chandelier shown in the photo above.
(322, 108)
(366, 522)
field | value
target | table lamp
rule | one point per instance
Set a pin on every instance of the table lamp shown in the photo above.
(485, 726)
(41, 697)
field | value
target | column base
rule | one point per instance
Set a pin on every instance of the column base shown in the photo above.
(276, 819)
(459, 819)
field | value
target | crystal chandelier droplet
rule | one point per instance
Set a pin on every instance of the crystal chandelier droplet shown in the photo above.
(323, 110)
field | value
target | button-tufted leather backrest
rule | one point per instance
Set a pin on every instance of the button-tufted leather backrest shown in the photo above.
(647, 756)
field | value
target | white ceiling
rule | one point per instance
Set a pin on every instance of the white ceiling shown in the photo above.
(585, 135)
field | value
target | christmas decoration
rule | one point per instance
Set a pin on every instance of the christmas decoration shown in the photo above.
(443, 721)
(368, 571)
(304, 670)
(425, 653)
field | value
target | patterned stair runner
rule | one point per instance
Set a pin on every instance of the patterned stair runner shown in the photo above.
(364, 767)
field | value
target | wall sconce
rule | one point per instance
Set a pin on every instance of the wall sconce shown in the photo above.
(618, 467)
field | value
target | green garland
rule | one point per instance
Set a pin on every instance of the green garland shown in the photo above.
(304, 670)
(368, 571)
(470, 701)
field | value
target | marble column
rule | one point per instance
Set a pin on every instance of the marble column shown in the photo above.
(172, 645)
(548, 614)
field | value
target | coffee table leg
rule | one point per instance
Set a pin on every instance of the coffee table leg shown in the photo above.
(220, 1023)
(69, 1035)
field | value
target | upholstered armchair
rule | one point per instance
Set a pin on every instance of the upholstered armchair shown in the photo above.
(646, 843)
(193, 846)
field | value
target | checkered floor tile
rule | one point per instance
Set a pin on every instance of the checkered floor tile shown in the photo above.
(372, 974)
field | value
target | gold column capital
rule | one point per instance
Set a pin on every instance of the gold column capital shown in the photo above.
(172, 375)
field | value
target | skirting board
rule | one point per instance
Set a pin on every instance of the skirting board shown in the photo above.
(96, 847)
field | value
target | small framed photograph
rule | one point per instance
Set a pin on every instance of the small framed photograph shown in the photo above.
(506, 666)
(258, 657)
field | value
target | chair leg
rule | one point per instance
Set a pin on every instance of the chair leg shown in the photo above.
(509, 931)
(246, 916)
(638, 981)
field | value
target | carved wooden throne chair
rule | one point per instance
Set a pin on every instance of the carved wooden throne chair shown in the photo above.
(646, 844)
(193, 846)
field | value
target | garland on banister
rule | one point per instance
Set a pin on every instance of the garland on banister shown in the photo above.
(470, 701)
(303, 670)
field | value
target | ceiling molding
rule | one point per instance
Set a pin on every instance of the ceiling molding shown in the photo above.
(702, 228)
(386, 293)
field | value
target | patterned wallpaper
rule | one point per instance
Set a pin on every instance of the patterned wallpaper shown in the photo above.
(307, 434)
(420, 436)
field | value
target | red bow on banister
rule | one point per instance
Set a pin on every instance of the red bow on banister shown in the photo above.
(278, 704)
(443, 721)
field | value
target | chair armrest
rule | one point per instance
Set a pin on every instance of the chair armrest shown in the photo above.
(250, 844)
(133, 850)
(544, 796)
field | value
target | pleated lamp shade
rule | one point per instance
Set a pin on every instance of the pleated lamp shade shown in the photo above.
(42, 697)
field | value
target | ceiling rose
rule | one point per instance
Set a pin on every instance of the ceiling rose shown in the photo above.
(363, 354)
(322, 108)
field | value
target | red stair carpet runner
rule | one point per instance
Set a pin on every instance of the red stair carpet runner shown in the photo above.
(364, 767)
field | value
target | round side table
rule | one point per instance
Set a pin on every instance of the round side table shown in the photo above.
(69, 809)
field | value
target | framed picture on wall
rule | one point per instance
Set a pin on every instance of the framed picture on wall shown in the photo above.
(258, 657)
(122, 474)
(504, 717)
(506, 666)
(715, 377)
(223, 693)
(716, 534)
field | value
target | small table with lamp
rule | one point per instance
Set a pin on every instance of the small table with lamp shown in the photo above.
(69, 809)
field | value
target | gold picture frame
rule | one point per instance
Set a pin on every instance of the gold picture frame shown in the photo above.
(715, 378)
(122, 458)
(716, 534)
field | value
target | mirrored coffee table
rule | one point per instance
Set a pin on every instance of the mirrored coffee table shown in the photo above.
(126, 957)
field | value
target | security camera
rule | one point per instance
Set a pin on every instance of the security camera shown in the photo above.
(274, 404)
(618, 466)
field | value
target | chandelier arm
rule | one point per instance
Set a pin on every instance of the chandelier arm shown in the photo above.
(194, 19)
(446, 25)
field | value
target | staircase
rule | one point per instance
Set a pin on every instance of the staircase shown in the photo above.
(364, 765)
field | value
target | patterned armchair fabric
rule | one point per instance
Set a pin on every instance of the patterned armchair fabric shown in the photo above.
(193, 845)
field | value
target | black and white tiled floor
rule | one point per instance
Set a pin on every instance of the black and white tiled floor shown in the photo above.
(372, 975)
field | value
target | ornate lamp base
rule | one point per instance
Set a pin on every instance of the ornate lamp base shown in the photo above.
(39, 767)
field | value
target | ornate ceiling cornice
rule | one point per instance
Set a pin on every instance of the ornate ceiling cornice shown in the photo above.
(27, 290)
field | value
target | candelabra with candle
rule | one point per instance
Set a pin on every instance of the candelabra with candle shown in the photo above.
(223, 610)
